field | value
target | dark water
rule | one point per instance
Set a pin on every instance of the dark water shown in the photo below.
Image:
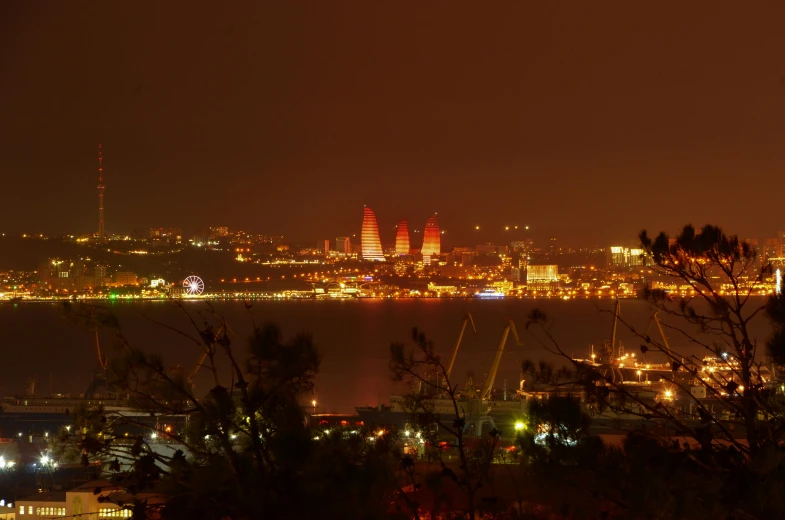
(353, 337)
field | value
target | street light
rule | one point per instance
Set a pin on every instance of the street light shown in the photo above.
(519, 426)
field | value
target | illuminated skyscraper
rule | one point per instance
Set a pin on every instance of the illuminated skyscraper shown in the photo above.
(371, 246)
(431, 240)
(402, 246)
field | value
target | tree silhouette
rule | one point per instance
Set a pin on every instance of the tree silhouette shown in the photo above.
(242, 451)
(696, 455)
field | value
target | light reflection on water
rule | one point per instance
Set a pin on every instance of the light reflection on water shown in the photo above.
(353, 337)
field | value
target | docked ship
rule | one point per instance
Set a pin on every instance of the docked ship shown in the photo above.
(31, 416)
(682, 385)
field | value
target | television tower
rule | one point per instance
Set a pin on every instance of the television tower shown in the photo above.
(101, 232)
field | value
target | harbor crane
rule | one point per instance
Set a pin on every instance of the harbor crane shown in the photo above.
(99, 374)
(491, 379)
(466, 320)
(665, 343)
(195, 370)
(611, 351)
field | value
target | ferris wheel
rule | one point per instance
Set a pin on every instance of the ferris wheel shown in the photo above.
(193, 286)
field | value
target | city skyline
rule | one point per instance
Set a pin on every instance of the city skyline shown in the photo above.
(539, 118)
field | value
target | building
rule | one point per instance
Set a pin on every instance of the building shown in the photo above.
(442, 289)
(619, 256)
(218, 231)
(402, 245)
(123, 278)
(370, 244)
(503, 286)
(343, 245)
(323, 246)
(431, 239)
(57, 275)
(542, 277)
(95, 499)
(522, 245)
(772, 248)
(166, 233)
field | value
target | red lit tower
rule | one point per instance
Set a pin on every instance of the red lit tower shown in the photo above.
(101, 231)
(371, 245)
(402, 247)
(431, 240)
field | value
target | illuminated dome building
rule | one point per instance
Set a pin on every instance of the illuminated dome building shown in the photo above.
(431, 240)
(371, 246)
(402, 247)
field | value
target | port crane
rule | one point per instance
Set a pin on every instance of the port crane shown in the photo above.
(665, 343)
(99, 374)
(195, 370)
(610, 350)
(466, 320)
(491, 379)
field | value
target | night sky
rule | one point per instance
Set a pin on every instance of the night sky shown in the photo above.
(585, 120)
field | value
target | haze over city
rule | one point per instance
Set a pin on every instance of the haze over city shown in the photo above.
(392, 260)
(585, 121)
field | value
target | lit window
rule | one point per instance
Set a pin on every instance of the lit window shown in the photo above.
(29, 510)
(21, 510)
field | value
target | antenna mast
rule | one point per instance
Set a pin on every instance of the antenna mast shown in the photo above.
(101, 231)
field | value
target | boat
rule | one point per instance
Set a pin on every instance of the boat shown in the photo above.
(32, 416)
(489, 294)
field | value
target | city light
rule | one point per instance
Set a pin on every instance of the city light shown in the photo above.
(519, 426)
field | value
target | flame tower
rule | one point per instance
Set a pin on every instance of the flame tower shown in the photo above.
(101, 231)
(371, 246)
(402, 246)
(431, 240)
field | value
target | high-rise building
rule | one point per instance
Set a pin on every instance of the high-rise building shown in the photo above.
(371, 245)
(324, 246)
(402, 246)
(343, 245)
(432, 239)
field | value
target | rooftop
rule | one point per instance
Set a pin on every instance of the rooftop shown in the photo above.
(45, 496)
